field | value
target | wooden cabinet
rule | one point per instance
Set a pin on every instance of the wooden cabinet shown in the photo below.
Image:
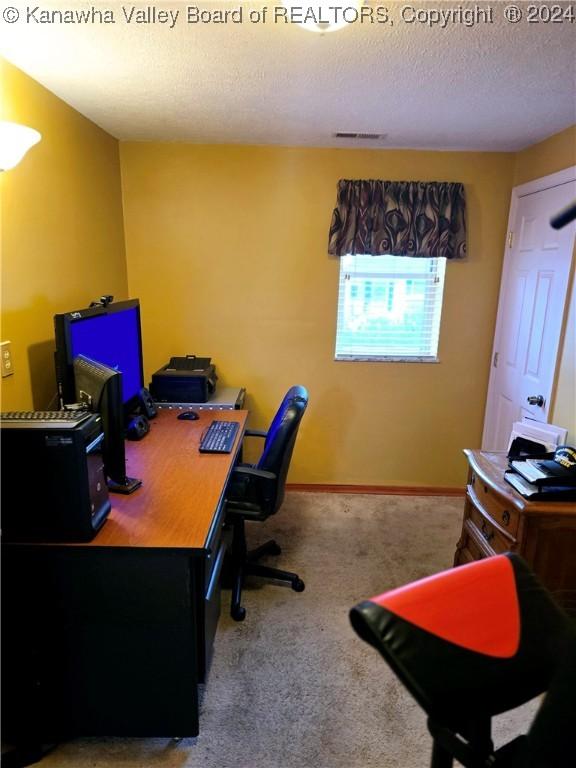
(497, 519)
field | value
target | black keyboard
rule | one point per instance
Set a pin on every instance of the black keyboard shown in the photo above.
(42, 418)
(219, 437)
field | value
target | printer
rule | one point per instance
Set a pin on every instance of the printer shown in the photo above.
(188, 379)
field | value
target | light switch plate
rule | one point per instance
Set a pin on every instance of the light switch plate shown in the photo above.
(6, 358)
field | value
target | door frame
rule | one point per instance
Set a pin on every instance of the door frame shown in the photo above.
(564, 176)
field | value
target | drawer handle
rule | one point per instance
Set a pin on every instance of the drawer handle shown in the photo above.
(506, 517)
(488, 535)
(216, 572)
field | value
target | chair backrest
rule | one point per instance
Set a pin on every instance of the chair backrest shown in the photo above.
(471, 642)
(280, 439)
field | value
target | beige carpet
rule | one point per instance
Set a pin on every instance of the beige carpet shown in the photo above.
(292, 686)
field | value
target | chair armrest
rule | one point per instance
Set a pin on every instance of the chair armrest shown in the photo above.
(255, 433)
(262, 474)
(259, 491)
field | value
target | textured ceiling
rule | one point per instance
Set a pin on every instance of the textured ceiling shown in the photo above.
(491, 86)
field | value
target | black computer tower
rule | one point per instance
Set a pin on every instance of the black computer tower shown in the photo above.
(53, 483)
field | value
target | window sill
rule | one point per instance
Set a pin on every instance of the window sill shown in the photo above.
(384, 359)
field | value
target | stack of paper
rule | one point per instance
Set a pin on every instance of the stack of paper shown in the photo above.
(549, 435)
(532, 471)
(535, 492)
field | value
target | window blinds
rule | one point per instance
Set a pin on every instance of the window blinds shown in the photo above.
(389, 308)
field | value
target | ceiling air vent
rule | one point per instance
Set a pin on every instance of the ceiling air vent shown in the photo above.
(356, 135)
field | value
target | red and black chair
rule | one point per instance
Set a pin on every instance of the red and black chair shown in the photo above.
(471, 643)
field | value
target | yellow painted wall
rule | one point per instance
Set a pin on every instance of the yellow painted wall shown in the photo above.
(555, 154)
(62, 241)
(227, 250)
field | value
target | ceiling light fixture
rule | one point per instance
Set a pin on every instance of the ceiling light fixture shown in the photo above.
(15, 141)
(324, 15)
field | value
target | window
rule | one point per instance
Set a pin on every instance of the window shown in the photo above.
(389, 308)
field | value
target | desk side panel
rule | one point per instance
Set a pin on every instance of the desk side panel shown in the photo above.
(99, 642)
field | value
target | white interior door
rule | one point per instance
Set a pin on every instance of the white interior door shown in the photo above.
(531, 308)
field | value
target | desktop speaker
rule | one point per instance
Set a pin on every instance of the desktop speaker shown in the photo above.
(147, 404)
(138, 427)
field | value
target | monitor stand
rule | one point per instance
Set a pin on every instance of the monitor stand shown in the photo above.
(128, 486)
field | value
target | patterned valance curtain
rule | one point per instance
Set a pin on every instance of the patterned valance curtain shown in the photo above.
(399, 218)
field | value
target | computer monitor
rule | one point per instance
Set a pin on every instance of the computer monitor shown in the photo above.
(109, 334)
(99, 388)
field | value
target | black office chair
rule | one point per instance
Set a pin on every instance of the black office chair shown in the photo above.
(471, 643)
(256, 491)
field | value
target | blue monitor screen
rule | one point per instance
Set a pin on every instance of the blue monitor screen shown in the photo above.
(112, 339)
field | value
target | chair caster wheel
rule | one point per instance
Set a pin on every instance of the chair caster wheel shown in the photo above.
(238, 614)
(298, 585)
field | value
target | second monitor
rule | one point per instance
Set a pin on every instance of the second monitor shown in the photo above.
(99, 388)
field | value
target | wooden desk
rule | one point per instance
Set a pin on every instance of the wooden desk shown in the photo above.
(498, 519)
(111, 637)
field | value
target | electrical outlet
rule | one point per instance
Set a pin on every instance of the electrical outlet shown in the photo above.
(6, 358)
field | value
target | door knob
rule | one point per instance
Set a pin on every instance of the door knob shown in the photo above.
(536, 400)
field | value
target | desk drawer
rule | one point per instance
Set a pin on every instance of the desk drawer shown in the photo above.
(499, 509)
(212, 605)
(213, 543)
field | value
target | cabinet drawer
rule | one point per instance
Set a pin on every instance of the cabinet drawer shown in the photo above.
(499, 509)
(468, 549)
(486, 530)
